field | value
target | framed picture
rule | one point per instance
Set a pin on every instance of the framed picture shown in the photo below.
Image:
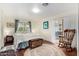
(10, 25)
(22, 26)
(45, 25)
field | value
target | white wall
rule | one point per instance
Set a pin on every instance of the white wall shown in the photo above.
(78, 35)
(37, 27)
(48, 33)
(78, 32)
(0, 31)
(1, 44)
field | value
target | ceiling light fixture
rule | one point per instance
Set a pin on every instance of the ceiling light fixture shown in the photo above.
(45, 4)
(35, 10)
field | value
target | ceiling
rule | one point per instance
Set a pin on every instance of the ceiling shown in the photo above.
(25, 9)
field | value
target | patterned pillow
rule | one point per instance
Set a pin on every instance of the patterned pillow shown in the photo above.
(23, 45)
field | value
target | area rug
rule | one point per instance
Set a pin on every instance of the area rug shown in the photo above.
(45, 50)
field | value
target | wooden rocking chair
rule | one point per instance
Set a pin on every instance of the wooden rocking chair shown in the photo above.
(68, 38)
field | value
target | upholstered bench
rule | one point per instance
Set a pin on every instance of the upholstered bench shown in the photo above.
(35, 43)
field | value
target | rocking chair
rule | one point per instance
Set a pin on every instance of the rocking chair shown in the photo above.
(68, 38)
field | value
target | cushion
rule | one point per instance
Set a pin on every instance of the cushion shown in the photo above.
(23, 45)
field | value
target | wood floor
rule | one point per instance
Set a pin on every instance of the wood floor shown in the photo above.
(21, 52)
(73, 53)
